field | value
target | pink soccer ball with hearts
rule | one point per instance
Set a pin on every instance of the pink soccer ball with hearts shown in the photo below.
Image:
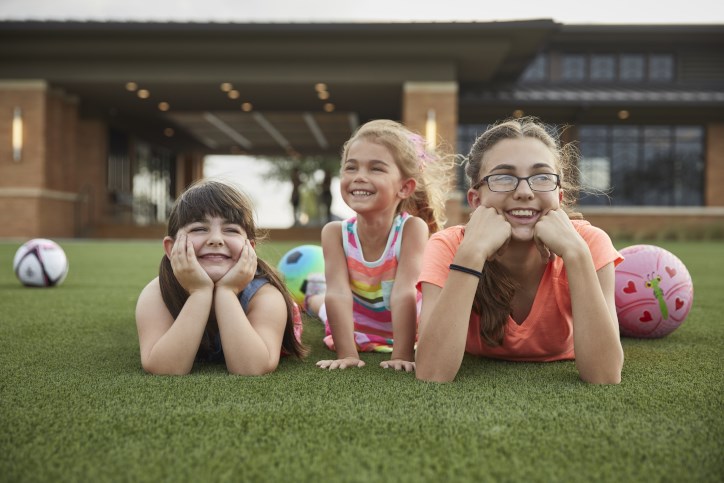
(654, 292)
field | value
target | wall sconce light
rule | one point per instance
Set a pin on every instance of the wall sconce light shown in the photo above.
(17, 134)
(431, 129)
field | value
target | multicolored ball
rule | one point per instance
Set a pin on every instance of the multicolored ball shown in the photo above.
(297, 264)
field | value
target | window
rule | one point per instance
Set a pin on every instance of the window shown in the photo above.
(642, 165)
(152, 184)
(537, 70)
(573, 67)
(603, 68)
(661, 68)
(632, 67)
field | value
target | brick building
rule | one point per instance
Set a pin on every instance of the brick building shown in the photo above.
(102, 124)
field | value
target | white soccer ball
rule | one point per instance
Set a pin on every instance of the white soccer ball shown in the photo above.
(40, 263)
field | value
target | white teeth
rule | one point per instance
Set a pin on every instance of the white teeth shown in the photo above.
(361, 193)
(522, 212)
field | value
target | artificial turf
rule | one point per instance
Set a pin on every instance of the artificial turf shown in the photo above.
(75, 404)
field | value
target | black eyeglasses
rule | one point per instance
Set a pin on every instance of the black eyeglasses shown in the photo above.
(501, 183)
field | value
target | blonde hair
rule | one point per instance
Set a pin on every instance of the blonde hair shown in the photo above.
(494, 295)
(431, 170)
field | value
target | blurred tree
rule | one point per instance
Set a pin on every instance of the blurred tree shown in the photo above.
(309, 173)
(280, 168)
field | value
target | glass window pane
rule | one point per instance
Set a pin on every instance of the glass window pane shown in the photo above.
(661, 68)
(603, 68)
(688, 165)
(573, 67)
(647, 165)
(632, 67)
(537, 70)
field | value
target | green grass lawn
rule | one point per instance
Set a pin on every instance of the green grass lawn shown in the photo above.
(76, 406)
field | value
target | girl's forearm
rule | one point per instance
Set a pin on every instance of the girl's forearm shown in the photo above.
(443, 333)
(174, 353)
(599, 356)
(245, 352)
(403, 306)
(341, 323)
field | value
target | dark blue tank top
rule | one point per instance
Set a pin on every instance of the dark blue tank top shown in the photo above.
(216, 354)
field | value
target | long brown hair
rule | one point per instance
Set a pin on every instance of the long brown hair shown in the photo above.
(494, 295)
(431, 170)
(218, 198)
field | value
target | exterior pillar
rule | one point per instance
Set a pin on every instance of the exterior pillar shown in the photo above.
(423, 101)
(38, 199)
(54, 186)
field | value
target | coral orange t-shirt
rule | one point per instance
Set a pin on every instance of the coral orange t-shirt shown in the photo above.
(547, 333)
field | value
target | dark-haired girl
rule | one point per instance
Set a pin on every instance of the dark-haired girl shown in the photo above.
(214, 300)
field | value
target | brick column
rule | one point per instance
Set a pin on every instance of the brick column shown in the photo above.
(422, 99)
(38, 191)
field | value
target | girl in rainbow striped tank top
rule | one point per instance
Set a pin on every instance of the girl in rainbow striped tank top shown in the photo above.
(396, 186)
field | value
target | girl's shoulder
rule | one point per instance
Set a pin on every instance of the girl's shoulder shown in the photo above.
(590, 233)
(152, 287)
(454, 233)
(332, 231)
(415, 226)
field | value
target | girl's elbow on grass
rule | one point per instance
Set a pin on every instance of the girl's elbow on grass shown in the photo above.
(157, 370)
(428, 371)
(602, 379)
(423, 374)
(252, 371)
(608, 375)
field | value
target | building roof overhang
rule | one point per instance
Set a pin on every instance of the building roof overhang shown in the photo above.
(275, 67)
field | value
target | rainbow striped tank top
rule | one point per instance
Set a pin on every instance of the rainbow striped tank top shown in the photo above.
(371, 284)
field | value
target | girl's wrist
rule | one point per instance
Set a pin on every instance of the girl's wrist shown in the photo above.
(200, 291)
(576, 251)
(470, 257)
(227, 288)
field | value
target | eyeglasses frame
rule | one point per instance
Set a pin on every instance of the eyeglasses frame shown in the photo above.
(519, 179)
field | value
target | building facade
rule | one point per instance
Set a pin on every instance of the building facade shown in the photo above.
(104, 123)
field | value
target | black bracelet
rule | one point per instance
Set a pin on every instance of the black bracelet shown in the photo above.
(460, 268)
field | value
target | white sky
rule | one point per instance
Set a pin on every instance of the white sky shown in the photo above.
(564, 11)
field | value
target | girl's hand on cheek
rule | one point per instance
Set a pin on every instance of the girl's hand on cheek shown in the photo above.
(186, 267)
(243, 271)
(487, 232)
(554, 234)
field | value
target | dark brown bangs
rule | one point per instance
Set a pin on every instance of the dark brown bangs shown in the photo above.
(215, 199)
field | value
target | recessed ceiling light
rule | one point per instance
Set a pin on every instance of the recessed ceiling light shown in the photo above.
(623, 114)
(168, 132)
(233, 94)
(320, 86)
(329, 107)
(518, 113)
(131, 86)
(226, 87)
(143, 94)
(247, 107)
(324, 95)
(164, 106)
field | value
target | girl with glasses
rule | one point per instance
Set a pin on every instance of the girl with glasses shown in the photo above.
(525, 279)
